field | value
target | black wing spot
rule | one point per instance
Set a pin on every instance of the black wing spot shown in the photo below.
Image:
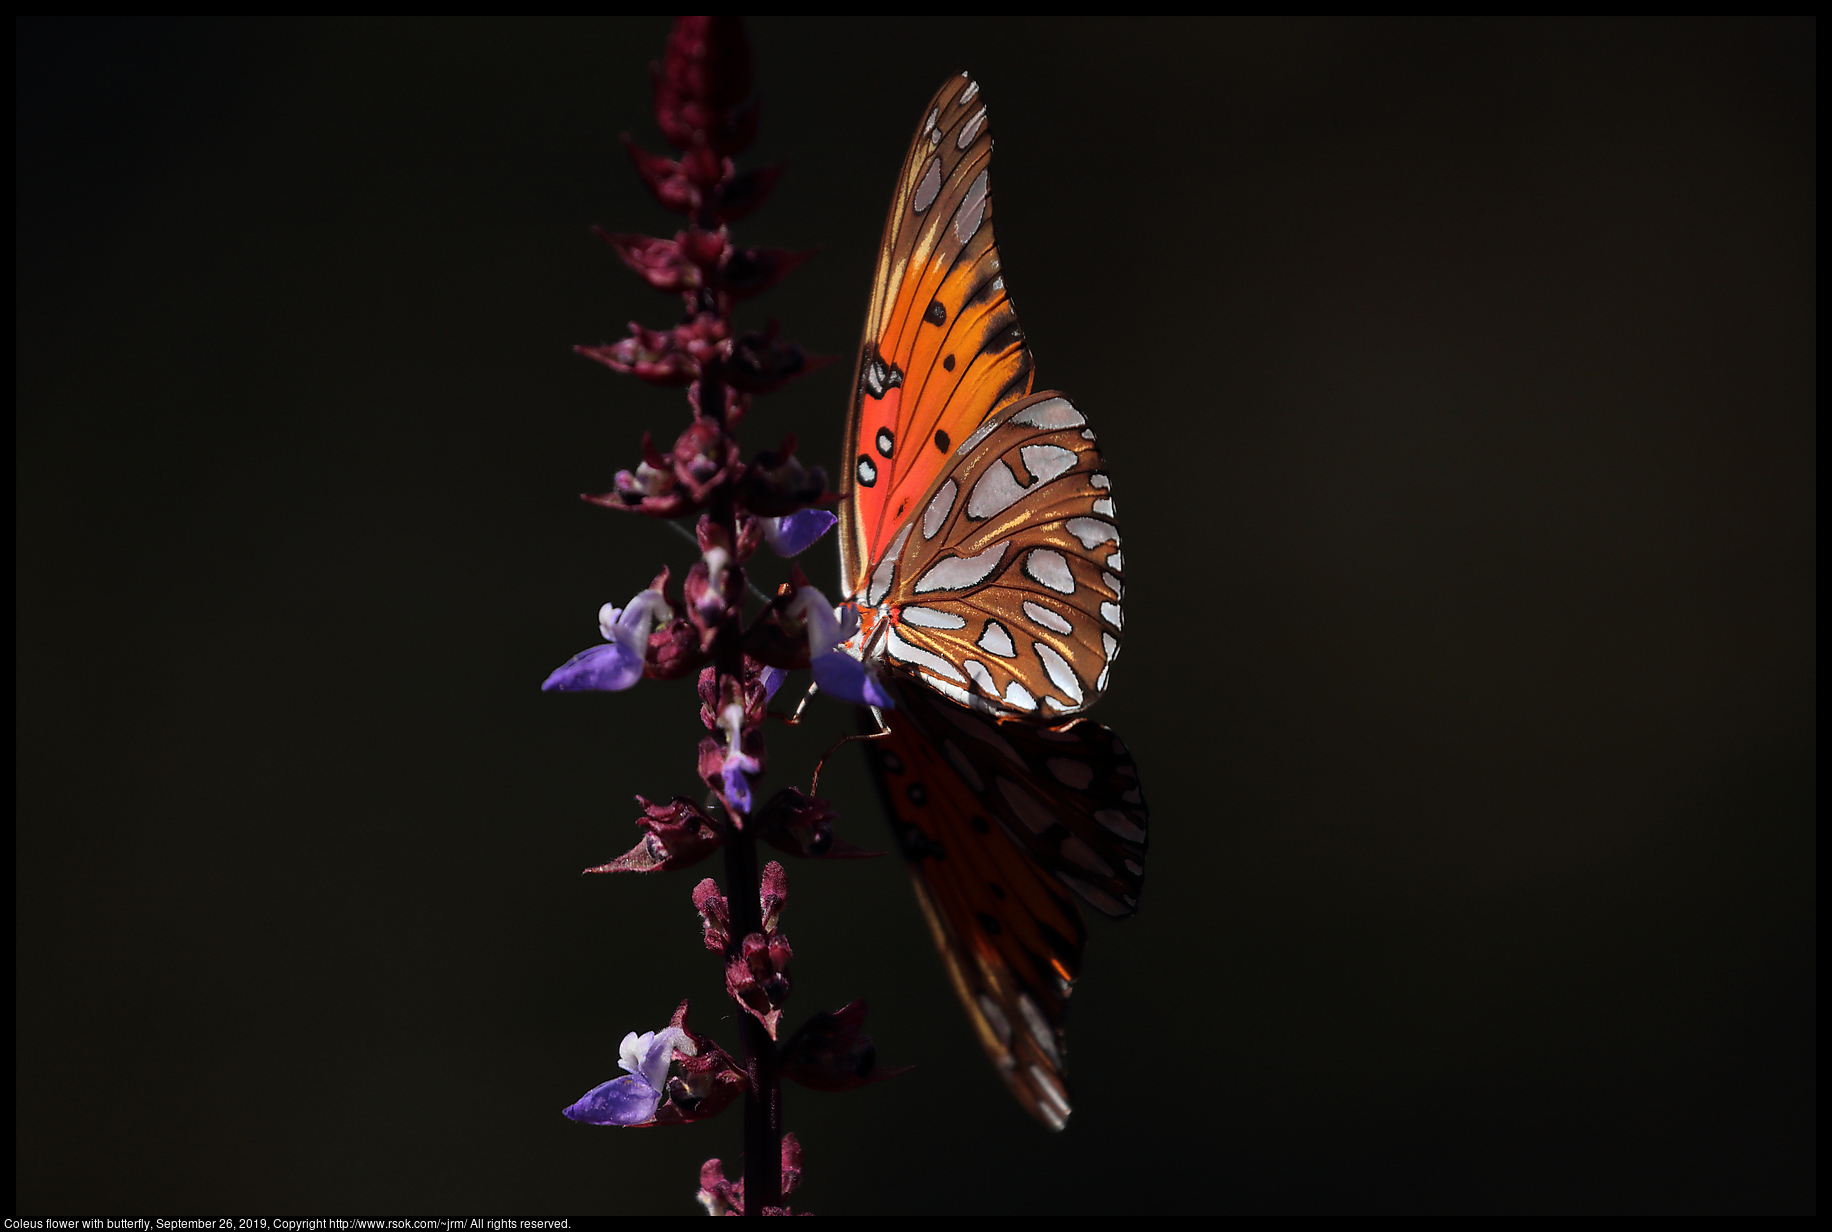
(941, 440)
(936, 315)
(885, 441)
(948, 364)
(893, 764)
(998, 891)
(979, 825)
(868, 474)
(918, 796)
(988, 923)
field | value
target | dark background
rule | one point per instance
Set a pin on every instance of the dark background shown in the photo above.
(1458, 380)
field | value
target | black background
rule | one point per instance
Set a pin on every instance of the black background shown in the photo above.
(1458, 381)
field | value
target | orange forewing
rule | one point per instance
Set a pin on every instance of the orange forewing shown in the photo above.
(942, 347)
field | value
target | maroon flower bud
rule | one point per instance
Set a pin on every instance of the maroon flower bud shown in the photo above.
(740, 194)
(722, 1197)
(703, 83)
(675, 835)
(706, 249)
(750, 271)
(776, 484)
(714, 916)
(772, 894)
(756, 978)
(665, 179)
(660, 357)
(831, 1052)
(651, 488)
(759, 364)
(663, 264)
(702, 458)
(708, 1080)
(802, 825)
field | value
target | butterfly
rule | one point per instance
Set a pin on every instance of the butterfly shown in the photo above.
(978, 539)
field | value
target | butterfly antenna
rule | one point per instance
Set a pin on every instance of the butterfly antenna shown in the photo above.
(815, 783)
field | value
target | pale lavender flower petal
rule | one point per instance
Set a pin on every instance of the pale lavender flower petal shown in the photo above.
(609, 668)
(629, 1100)
(659, 1052)
(842, 676)
(737, 787)
(796, 533)
(772, 681)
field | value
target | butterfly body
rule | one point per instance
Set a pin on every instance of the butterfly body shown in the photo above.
(979, 539)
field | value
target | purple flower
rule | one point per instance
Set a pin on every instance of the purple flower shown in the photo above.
(633, 1099)
(794, 534)
(836, 671)
(738, 764)
(617, 665)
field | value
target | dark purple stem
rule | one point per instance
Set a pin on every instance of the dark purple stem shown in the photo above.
(743, 891)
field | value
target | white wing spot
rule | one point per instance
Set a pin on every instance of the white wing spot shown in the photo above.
(949, 690)
(903, 652)
(1087, 434)
(1110, 644)
(1018, 697)
(1046, 462)
(1053, 621)
(1110, 612)
(929, 618)
(1104, 506)
(973, 208)
(1052, 413)
(997, 490)
(1120, 824)
(929, 188)
(1099, 480)
(964, 767)
(1035, 815)
(1097, 897)
(998, 641)
(973, 88)
(976, 671)
(1046, 1038)
(1050, 568)
(868, 474)
(970, 130)
(1113, 584)
(1053, 1106)
(995, 1018)
(1083, 855)
(979, 434)
(1061, 674)
(1071, 771)
(1115, 563)
(1091, 531)
(1100, 682)
(886, 572)
(939, 509)
(960, 572)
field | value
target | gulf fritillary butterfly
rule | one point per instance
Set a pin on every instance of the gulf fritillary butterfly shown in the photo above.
(977, 536)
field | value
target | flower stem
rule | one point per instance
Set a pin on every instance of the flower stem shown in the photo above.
(743, 887)
(763, 1102)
